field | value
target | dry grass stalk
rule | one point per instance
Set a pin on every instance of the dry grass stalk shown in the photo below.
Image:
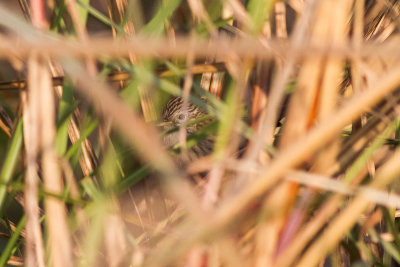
(321, 216)
(162, 48)
(199, 11)
(115, 242)
(81, 33)
(265, 250)
(5, 121)
(118, 12)
(59, 236)
(188, 83)
(307, 144)
(245, 225)
(88, 161)
(34, 240)
(116, 77)
(241, 15)
(316, 97)
(348, 216)
(271, 112)
(34, 243)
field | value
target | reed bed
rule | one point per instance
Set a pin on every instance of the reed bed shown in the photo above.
(298, 164)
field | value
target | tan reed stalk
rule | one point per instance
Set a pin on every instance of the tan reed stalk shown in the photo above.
(34, 241)
(289, 200)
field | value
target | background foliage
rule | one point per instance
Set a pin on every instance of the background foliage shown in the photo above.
(304, 98)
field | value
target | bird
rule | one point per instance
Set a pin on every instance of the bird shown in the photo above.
(174, 116)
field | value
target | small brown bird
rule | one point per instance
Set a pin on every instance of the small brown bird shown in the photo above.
(173, 117)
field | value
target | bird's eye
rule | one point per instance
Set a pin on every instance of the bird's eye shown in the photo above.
(181, 117)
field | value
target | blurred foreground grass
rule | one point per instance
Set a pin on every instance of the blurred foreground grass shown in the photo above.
(304, 102)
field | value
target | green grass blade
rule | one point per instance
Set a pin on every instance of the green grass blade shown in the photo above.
(367, 154)
(98, 15)
(83, 12)
(84, 134)
(6, 253)
(165, 11)
(133, 179)
(66, 108)
(259, 10)
(10, 161)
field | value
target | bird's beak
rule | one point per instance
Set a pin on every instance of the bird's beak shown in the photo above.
(164, 124)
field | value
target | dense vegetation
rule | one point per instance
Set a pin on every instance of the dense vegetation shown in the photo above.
(295, 162)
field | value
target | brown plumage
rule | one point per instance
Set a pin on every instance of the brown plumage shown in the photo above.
(174, 116)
